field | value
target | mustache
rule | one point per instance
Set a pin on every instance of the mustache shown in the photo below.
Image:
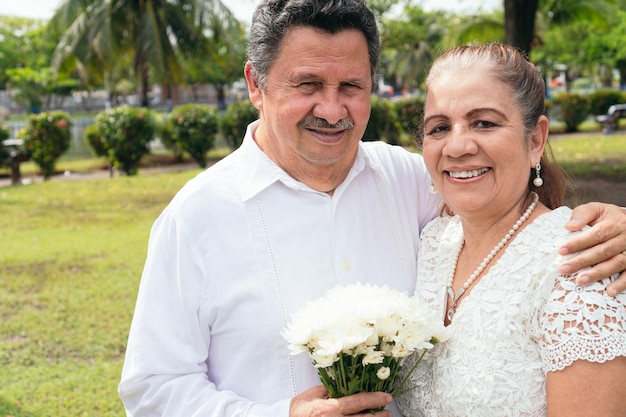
(317, 122)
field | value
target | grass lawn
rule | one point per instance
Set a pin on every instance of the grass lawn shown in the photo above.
(71, 256)
(593, 157)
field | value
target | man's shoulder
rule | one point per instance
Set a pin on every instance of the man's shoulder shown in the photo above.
(406, 175)
(220, 178)
(392, 157)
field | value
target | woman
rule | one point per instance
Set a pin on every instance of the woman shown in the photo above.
(526, 341)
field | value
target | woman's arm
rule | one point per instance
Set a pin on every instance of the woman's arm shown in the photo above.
(588, 389)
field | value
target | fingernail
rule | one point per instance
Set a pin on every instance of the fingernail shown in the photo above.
(563, 250)
(573, 222)
(565, 269)
(612, 292)
(582, 279)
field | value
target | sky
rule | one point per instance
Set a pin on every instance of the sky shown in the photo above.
(44, 9)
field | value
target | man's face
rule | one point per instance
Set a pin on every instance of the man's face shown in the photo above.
(317, 77)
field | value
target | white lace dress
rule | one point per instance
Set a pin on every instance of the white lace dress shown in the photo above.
(521, 320)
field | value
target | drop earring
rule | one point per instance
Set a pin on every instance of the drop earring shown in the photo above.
(538, 182)
(432, 189)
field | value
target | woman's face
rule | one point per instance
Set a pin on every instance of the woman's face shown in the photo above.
(474, 144)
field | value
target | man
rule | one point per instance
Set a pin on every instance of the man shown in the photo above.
(301, 206)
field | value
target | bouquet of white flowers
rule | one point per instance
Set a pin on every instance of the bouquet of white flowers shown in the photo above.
(357, 336)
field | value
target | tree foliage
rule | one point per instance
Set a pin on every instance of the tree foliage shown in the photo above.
(410, 44)
(153, 33)
(524, 21)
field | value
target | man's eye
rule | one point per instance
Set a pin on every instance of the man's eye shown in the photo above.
(308, 87)
(350, 86)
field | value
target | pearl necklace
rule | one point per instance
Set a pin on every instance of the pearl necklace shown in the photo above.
(485, 262)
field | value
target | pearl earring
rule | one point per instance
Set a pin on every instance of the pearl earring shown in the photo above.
(538, 182)
(432, 189)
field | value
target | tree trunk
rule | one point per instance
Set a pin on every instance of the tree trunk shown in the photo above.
(519, 23)
(221, 96)
(145, 83)
(621, 66)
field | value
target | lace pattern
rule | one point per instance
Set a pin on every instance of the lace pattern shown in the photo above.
(521, 320)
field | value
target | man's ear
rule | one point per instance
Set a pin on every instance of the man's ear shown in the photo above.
(254, 91)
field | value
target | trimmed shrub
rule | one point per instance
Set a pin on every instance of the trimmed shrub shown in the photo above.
(383, 124)
(549, 106)
(409, 112)
(164, 133)
(194, 127)
(601, 100)
(125, 133)
(46, 137)
(234, 122)
(573, 109)
(4, 135)
(93, 137)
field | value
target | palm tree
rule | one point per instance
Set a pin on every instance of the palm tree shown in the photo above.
(220, 62)
(100, 33)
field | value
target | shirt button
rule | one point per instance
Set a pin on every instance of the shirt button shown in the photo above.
(346, 265)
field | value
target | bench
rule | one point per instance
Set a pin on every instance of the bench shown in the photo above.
(13, 154)
(610, 120)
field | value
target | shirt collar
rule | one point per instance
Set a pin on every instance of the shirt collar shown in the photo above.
(259, 172)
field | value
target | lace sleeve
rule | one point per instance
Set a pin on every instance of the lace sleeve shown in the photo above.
(582, 323)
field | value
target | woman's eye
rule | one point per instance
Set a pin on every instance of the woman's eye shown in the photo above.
(484, 124)
(437, 129)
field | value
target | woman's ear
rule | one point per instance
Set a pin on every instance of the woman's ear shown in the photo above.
(539, 137)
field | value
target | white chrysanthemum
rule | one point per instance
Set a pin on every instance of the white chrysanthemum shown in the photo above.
(383, 373)
(371, 355)
(362, 319)
(322, 358)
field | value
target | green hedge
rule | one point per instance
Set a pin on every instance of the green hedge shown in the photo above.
(46, 137)
(125, 133)
(383, 123)
(194, 127)
(234, 122)
(601, 100)
(572, 109)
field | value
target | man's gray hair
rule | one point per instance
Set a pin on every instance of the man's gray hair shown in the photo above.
(272, 19)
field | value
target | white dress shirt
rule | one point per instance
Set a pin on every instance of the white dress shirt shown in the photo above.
(240, 248)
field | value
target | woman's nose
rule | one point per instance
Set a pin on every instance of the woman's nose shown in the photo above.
(459, 141)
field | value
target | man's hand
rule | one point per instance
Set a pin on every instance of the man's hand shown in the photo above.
(603, 246)
(315, 403)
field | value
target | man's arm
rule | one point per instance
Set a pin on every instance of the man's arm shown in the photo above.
(602, 247)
